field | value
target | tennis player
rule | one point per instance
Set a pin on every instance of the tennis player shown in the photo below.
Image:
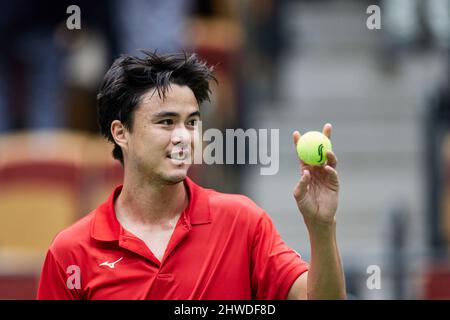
(162, 236)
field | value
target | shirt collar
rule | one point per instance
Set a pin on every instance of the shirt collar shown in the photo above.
(106, 227)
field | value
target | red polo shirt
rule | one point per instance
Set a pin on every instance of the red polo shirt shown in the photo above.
(223, 247)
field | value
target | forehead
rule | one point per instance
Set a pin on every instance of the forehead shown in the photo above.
(178, 99)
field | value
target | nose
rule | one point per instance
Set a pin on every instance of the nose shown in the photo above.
(181, 136)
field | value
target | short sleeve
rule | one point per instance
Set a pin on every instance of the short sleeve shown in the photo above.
(55, 283)
(275, 266)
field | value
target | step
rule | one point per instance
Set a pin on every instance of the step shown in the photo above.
(330, 24)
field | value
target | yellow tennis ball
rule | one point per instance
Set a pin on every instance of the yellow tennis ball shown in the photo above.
(312, 148)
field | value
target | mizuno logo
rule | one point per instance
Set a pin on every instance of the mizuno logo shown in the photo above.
(110, 264)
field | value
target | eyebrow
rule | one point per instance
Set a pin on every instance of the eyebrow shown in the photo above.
(163, 114)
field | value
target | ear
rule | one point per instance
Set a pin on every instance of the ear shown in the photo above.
(119, 134)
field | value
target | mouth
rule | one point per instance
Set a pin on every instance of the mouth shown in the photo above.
(178, 155)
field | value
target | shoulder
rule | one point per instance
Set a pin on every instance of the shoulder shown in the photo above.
(238, 213)
(235, 206)
(71, 241)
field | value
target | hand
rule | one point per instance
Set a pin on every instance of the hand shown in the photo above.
(317, 191)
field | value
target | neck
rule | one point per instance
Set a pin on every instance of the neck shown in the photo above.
(150, 202)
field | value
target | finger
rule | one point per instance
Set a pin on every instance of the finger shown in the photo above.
(332, 174)
(331, 159)
(302, 186)
(304, 166)
(327, 128)
(296, 136)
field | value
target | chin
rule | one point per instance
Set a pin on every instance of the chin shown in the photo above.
(175, 177)
(174, 173)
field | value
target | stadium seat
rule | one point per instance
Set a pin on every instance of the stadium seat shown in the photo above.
(48, 180)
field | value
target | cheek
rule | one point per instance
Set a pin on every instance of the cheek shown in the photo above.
(155, 140)
(146, 140)
(195, 138)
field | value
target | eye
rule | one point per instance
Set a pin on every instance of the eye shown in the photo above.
(193, 122)
(166, 122)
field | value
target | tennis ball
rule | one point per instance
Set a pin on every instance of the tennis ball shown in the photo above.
(312, 148)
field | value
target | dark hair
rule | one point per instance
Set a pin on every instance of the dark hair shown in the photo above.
(130, 77)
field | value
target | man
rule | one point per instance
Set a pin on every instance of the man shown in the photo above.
(161, 236)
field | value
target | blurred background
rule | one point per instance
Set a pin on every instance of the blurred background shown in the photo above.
(281, 64)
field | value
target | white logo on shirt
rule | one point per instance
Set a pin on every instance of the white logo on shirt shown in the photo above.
(110, 264)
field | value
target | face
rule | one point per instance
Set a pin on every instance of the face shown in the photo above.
(161, 142)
